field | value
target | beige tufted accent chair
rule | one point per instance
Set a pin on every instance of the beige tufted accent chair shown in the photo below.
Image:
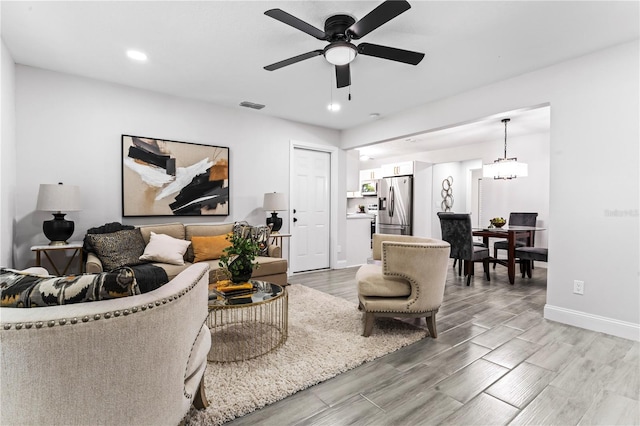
(408, 282)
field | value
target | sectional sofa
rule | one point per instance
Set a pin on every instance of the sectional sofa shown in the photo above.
(272, 267)
(136, 360)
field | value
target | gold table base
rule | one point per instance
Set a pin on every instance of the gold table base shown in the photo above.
(246, 331)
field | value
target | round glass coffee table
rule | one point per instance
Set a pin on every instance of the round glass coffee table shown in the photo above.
(246, 326)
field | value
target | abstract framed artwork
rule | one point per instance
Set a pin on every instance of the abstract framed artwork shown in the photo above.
(170, 178)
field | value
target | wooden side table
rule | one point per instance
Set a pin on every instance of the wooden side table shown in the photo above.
(76, 246)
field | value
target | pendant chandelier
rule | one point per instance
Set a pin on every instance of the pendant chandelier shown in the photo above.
(505, 168)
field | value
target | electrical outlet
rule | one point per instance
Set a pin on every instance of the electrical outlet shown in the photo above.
(578, 287)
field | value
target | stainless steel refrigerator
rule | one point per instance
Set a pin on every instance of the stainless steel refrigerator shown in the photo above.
(395, 204)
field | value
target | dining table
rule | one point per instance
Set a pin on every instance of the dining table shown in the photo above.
(511, 234)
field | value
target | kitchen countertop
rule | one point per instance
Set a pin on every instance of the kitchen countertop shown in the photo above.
(359, 216)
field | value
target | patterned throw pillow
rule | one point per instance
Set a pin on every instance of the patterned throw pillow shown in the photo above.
(21, 290)
(117, 249)
(259, 234)
(107, 228)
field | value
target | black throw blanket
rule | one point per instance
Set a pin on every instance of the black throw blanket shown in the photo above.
(149, 277)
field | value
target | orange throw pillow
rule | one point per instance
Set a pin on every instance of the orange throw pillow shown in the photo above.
(209, 248)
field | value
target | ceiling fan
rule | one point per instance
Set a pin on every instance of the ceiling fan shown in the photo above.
(339, 30)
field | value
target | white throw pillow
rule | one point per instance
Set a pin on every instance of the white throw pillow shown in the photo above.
(165, 249)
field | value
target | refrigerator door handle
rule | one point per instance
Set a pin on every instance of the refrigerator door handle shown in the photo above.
(392, 200)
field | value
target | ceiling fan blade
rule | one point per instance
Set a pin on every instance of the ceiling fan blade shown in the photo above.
(343, 75)
(378, 17)
(392, 53)
(293, 60)
(296, 23)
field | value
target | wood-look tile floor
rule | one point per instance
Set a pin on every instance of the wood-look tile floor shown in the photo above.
(496, 361)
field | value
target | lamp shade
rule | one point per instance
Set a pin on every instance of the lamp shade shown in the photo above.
(58, 198)
(274, 201)
(508, 168)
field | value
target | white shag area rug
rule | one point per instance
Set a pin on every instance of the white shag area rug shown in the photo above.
(325, 339)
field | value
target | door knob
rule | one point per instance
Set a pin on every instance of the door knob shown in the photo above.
(295, 219)
(294, 211)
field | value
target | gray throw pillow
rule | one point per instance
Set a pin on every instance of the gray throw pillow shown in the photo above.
(117, 249)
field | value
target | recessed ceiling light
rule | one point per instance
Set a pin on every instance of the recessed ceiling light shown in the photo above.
(374, 115)
(251, 105)
(333, 107)
(136, 55)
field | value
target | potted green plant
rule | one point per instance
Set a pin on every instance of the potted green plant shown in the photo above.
(239, 257)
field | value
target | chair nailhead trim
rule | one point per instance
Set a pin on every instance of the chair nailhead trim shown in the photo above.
(184, 390)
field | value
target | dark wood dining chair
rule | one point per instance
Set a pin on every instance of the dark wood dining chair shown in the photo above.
(456, 230)
(517, 219)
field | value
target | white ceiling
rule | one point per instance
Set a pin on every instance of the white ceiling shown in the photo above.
(521, 122)
(215, 50)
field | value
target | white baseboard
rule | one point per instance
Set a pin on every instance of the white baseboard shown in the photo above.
(624, 329)
(341, 264)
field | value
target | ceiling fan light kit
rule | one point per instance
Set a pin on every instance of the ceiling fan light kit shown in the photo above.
(505, 168)
(340, 53)
(339, 30)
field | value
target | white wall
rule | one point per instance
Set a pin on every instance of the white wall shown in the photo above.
(527, 194)
(594, 179)
(7, 156)
(69, 129)
(422, 199)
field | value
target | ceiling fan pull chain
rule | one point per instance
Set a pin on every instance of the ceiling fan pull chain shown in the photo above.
(349, 92)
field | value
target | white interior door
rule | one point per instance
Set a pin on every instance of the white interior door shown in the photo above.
(310, 210)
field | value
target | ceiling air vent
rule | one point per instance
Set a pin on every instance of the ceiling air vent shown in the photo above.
(251, 105)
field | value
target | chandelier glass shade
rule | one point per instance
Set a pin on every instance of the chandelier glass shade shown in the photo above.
(505, 168)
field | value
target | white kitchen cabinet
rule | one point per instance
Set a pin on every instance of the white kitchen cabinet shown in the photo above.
(370, 174)
(397, 169)
(358, 239)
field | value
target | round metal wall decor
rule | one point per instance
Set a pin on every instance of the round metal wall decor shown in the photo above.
(447, 194)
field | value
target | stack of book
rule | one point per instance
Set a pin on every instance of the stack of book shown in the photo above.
(231, 292)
